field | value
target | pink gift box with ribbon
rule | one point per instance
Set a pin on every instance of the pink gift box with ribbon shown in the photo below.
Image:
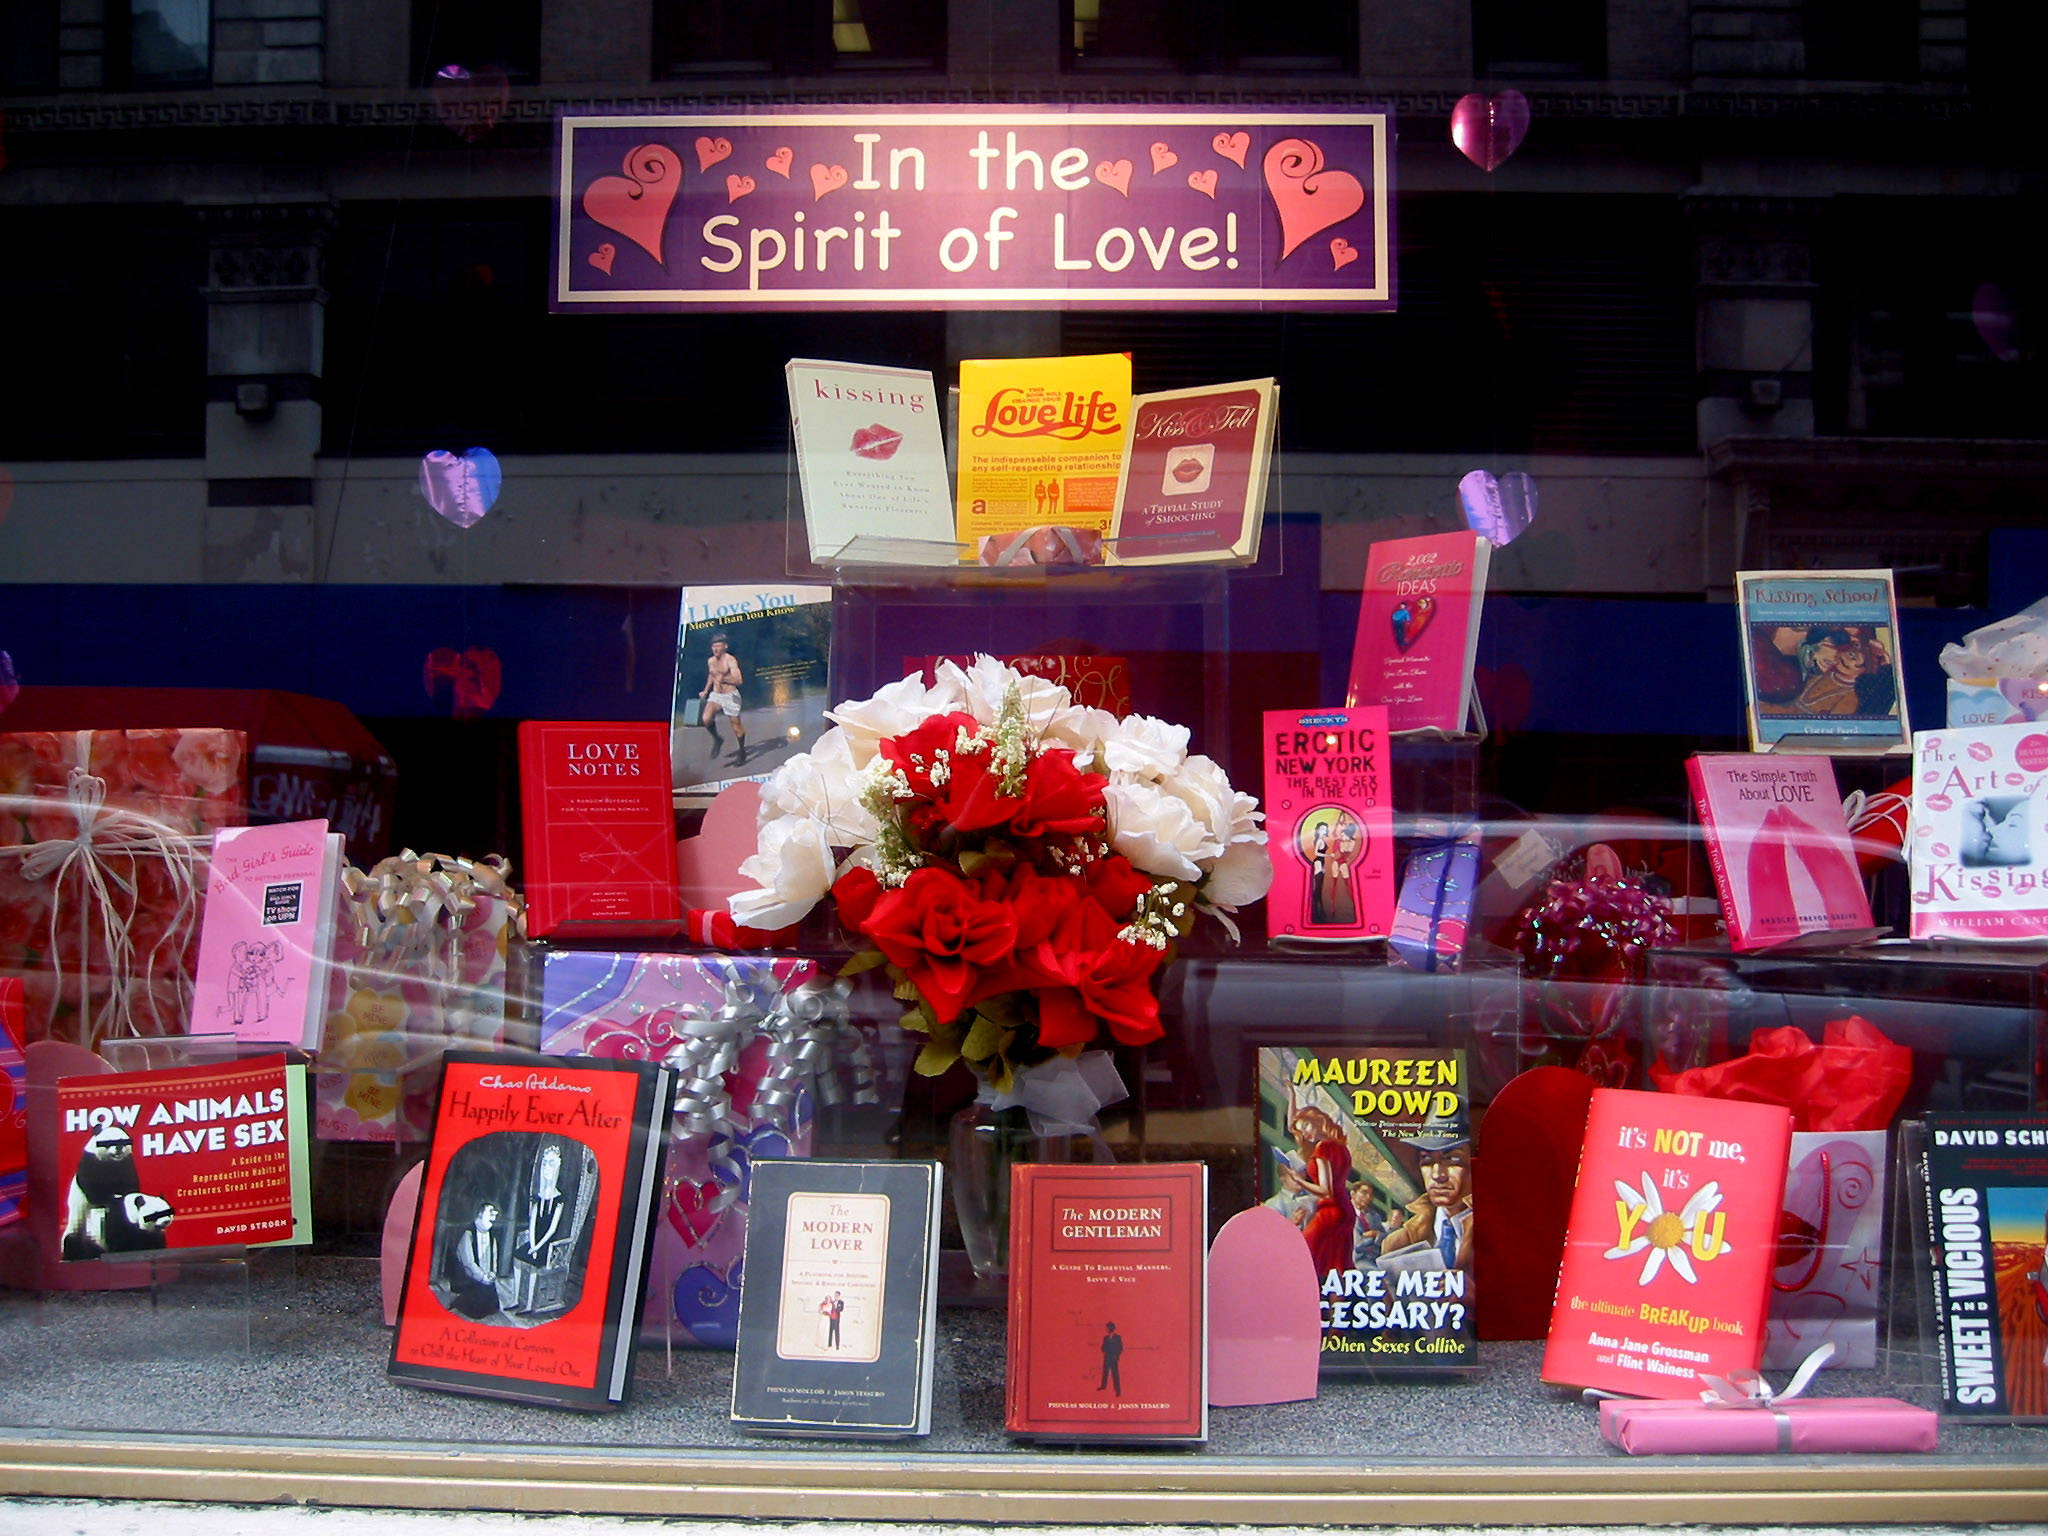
(1809, 1426)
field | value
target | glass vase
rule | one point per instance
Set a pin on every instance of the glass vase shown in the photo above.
(986, 1143)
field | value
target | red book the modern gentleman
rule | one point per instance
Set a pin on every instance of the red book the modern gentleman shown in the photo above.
(599, 818)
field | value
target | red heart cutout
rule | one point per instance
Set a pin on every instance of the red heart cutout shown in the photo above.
(1342, 253)
(1309, 197)
(779, 161)
(710, 151)
(1522, 1173)
(1232, 146)
(475, 678)
(737, 187)
(1203, 182)
(603, 257)
(1115, 173)
(826, 178)
(636, 204)
(1163, 159)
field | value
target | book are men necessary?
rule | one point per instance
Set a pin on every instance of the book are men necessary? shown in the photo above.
(267, 932)
(1987, 1230)
(1329, 824)
(839, 1299)
(182, 1159)
(1779, 847)
(1670, 1244)
(1977, 844)
(1041, 442)
(1418, 632)
(599, 820)
(536, 1215)
(1369, 1153)
(1108, 1334)
(1819, 660)
(752, 682)
(872, 462)
(1193, 482)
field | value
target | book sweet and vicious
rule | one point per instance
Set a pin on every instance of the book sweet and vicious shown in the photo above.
(1977, 843)
(179, 1159)
(536, 1215)
(599, 821)
(839, 1300)
(1418, 631)
(1670, 1245)
(1779, 846)
(1368, 1151)
(1108, 1334)
(1986, 1209)
(1329, 824)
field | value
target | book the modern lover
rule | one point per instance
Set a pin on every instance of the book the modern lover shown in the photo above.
(838, 1300)
(1368, 1151)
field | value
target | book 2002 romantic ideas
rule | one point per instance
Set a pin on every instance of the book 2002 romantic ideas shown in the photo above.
(535, 1219)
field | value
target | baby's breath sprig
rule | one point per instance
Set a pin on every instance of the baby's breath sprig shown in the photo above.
(895, 852)
(1160, 917)
(1011, 755)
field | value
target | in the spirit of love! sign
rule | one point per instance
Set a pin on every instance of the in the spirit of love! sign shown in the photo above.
(976, 208)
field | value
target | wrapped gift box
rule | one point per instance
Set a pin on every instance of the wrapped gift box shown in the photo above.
(103, 842)
(1807, 1426)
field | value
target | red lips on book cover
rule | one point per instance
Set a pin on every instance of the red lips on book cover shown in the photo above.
(877, 442)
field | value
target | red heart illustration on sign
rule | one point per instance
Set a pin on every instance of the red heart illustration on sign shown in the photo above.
(636, 204)
(691, 1211)
(1233, 147)
(779, 162)
(475, 678)
(1163, 159)
(710, 151)
(1115, 174)
(1203, 182)
(1342, 253)
(1309, 197)
(1411, 618)
(737, 187)
(1487, 129)
(826, 178)
(603, 257)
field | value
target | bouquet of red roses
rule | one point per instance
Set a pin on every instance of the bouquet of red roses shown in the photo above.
(1021, 865)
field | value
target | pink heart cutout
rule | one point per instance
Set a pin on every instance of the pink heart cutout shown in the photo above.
(826, 178)
(1203, 182)
(1487, 129)
(1342, 253)
(603, 257)
(1163, 159)
(636, 204)
(710, 151)
(1309, 197)
(779, 161)
(1116, 173)
(737, 187)
(1232, 147)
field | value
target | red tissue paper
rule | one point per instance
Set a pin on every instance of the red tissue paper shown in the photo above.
(1852, 1080)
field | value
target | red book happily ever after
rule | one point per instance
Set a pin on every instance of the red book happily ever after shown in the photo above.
(1669, 1249)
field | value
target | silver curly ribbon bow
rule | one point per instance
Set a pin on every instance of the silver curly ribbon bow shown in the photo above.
(1749, 1390)
(105, 832)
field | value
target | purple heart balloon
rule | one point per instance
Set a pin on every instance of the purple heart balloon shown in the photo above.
(1498, 508)
(10, 685)
(1487, 129)
(462, 487)
(1992, 312)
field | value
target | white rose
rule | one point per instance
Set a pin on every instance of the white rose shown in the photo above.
(1146, 748)
(824, 785)
(1242, 875)
(982, 687)
(1203, 787)
(1157, 832)
(793, 869)
(1084, 730)
(896, 708)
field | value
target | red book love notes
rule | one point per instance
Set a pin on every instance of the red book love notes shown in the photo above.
(1418, 631)
(596, 806)
(1108, 1328)
(1671, 1242)
(1779, 845)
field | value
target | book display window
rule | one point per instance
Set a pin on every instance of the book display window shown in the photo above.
(806, 761)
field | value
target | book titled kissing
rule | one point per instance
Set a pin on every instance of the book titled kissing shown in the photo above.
(1329, 825)
(536, 1216)
(1670, 1245)
(1779, 846)
(599, 821)
(1108, 1335)
(1418, 632)
(871, 463)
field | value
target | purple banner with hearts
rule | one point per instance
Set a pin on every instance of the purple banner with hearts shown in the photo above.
(977, 207)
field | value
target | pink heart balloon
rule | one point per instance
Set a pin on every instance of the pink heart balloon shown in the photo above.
(1498, 508)
(1487, 129)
